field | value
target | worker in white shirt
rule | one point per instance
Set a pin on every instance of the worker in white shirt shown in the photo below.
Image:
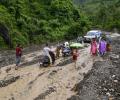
(46, 51)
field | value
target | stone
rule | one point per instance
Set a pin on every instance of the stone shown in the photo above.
(108, 94)
(113, 76)
(114, 57)
(116, 81)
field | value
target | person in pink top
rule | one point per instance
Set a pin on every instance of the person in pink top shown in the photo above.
(93, 49)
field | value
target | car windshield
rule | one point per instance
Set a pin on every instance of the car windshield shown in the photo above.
(91, 33)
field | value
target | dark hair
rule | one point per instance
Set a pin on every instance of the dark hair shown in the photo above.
(18, 45)
(46, 44)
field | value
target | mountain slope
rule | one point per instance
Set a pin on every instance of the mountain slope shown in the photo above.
(38, 21)
(104, 14)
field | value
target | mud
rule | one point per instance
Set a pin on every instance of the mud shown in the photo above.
(8, 80)
(93, 79)
(46, 93)
(7, 57)
(103, 81)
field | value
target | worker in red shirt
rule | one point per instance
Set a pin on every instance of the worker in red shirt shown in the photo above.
(18, 55)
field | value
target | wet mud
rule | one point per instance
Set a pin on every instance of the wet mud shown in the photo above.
(103, 81)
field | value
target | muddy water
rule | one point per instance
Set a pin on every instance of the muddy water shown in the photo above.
(52, 83)
(103, 81)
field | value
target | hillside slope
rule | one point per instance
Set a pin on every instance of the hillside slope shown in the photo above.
(104, 14)
(38, 21)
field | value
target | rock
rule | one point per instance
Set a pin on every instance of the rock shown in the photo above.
(111, 90)
(108, 94)
(116, 81)
(100, 87)
(114, 57)
(105, 81)
(105, 89)
(113, 76)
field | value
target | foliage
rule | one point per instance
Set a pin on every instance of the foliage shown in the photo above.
(104, 14)
(38, 21)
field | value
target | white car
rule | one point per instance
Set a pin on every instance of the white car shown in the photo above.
(92, 34)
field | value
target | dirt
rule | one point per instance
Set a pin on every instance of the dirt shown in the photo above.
(62, 81)
(103, 81)
(8, 80)
(51, 83)
(7, 57)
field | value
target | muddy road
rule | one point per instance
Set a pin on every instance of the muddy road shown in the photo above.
(61, 82)
(30, 82)
(102, 82)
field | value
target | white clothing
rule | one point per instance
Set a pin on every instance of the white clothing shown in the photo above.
(66, 44)
(46, 53)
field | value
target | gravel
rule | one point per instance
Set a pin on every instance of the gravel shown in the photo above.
(103, 81)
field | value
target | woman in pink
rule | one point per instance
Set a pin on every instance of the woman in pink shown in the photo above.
(93, 50)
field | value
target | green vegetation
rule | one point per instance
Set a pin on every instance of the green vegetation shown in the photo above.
(104, 14)
(38, 21)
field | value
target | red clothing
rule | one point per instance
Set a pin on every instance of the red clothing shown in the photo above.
(18, 51)
(75, 55)
(108, 47)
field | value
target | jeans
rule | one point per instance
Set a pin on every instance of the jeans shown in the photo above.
(18, 59)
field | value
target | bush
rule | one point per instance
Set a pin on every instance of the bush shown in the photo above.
(38, 21)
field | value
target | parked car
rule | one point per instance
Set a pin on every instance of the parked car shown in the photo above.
(92, 34)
